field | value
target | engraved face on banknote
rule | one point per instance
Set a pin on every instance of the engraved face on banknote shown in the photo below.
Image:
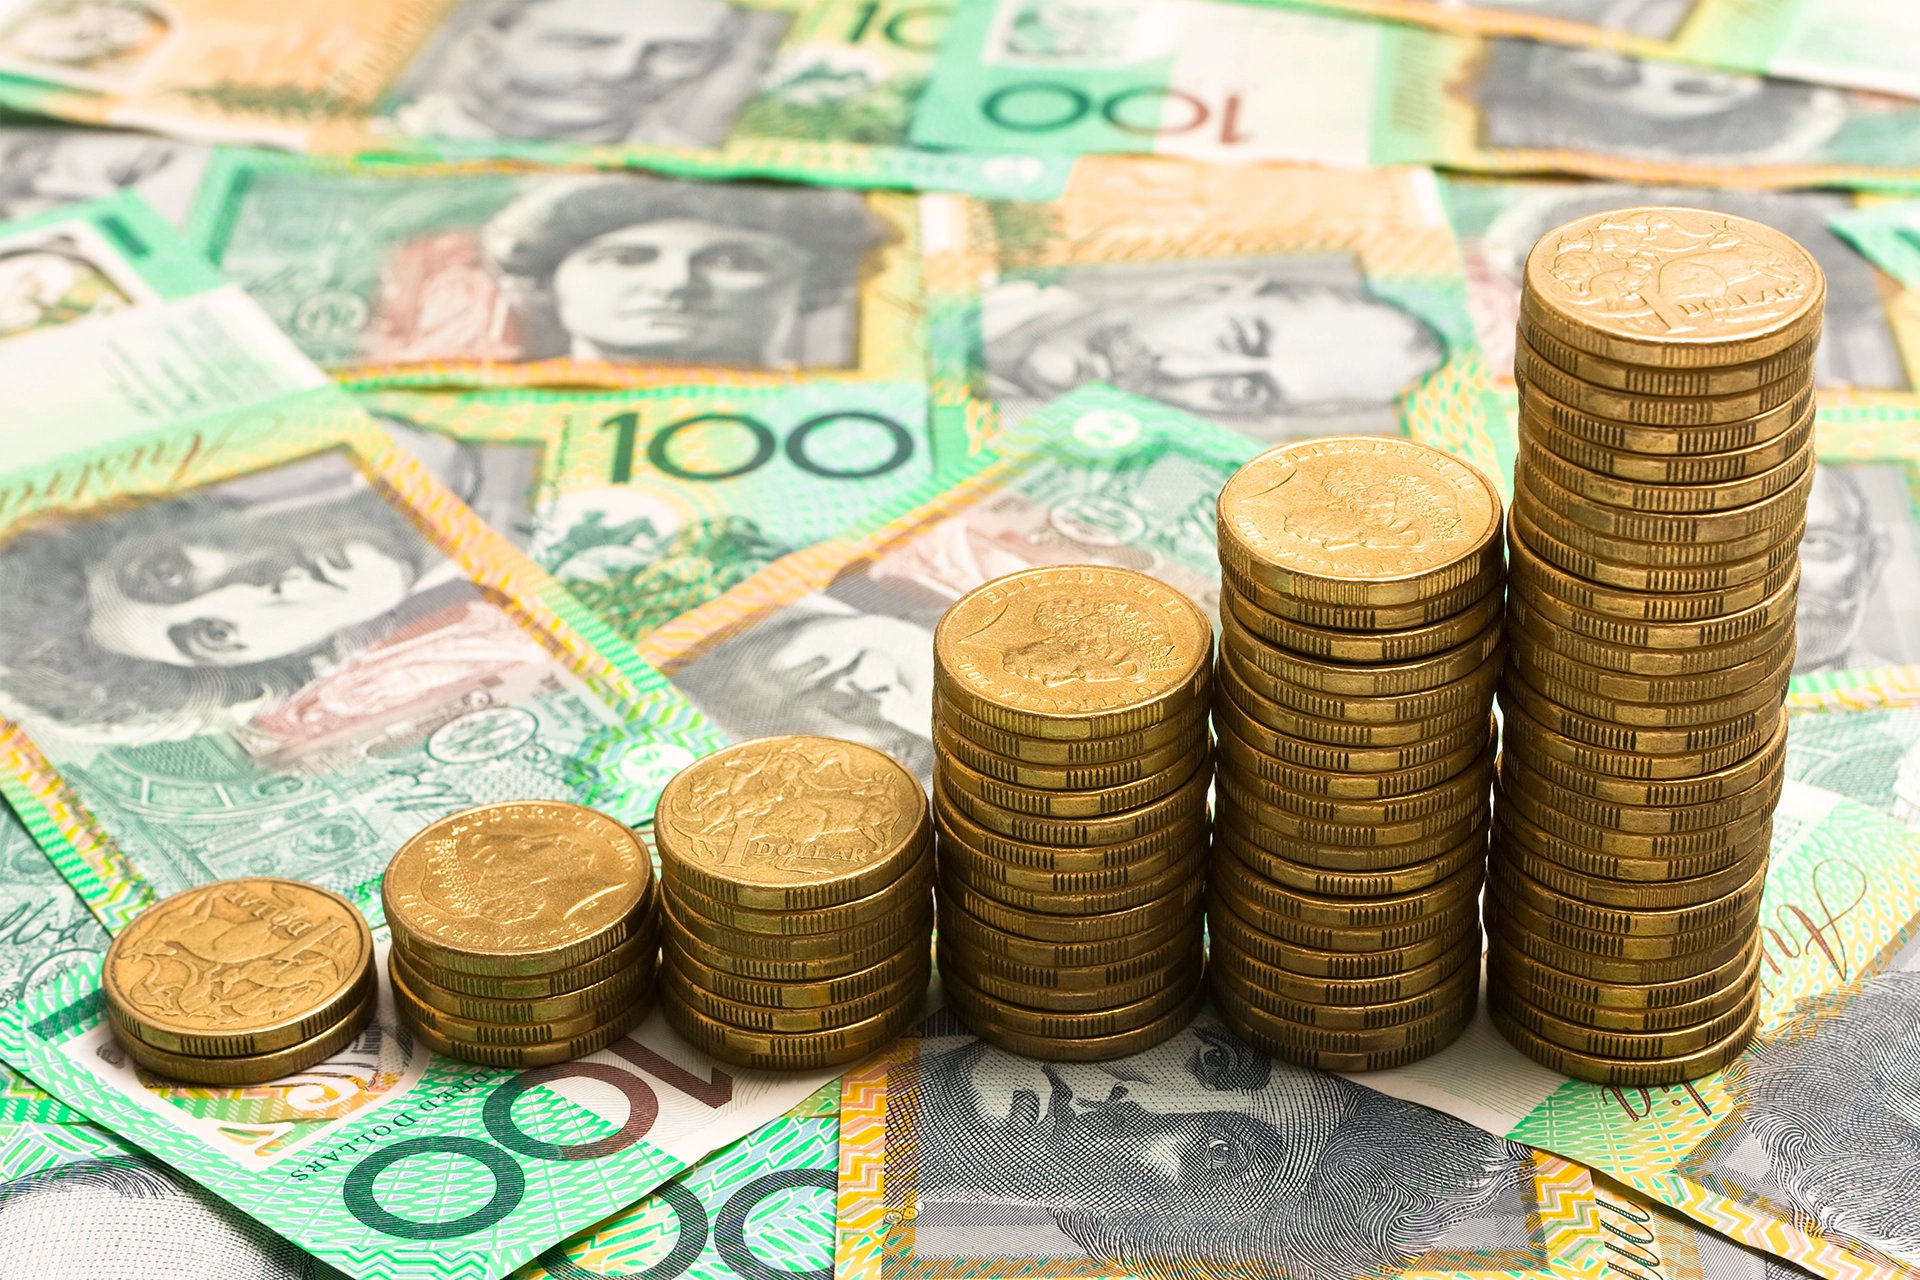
(1859, 570)
(672, 72)
(98, 43)
(42, 169)
(1200, 1150)
(1553, 97)
(1275, 347)
(52, 283)
(104, 1216)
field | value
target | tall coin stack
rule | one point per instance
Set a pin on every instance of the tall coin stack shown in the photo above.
(240, 981)
(1665, 361)
(798, 874)
(524, 934)
(1070, 796)
(1361, 624)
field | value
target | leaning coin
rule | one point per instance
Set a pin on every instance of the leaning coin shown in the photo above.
(1693, 920)
(1041, 926)
(826, 945)
(1562, 518)
(789, 1051)
(878, 908)
(1725, 466)
(1253, 901)
(1073, 751)
(1076, 833)
(1543, 580)
(1314, 843)
(981, 867)
(1523, 739)
(1540, 822)
(1234, 708)
(1344, 1050)
(257, 1068)
(418, 1013)
(1633, 999)
(1750, 728)
(1144, 855)
(956, 921)
(911, 985)
(1442, 804)
(1079, 986)
(917, 928)
(1075, 777)
(1656, 410)
(1583, 951)
(1347, 993)
(1307, 878)
(1225, 914)
(976, 1006)
(772, 994)
(1536, 641)
(238, 968)
(1635, 660)
(1631, 1046)
(1756, 524)
(1514, 975)
(1366, 680)
(1545, 670)
(1539, 404)
(1338, 617)
(1279, 779)
(1760, 797)
(1043, 995)
(1104, 802)
(714, 833)
(1473, 688)
(1638, 633)
(958, 863)
(1298, 726)
(1669, 498)
(1511, 838)
(522, 1056)
(1642, 379)
(645, 942)
(1123, 1044)
(1555, 542)
(1345, 912)
(597, 1001)
(1404, 645)
(1445, 996)
(1673, 766)
(1616, 1071)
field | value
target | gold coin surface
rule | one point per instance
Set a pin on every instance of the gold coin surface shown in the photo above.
(1638, 1000)
(1334, 1050)
(1047, 803)
(1360, 520)
(1694, 952)
(1621, 737)
(1306, 878)
(1538, 823)
(1474, 688)
(1632, 1046)
(1123, 1044)
(1540, 407)
(1366, 680)
(957, 922)
(1277, 779)
(1673, 287)
(794, 1050)
(1617, 1071)
(1725, 495)
(515, 889)
(1534, 574)
(1024, 860)
(1072, 652)
(238, 968)
(1655, 701)
(1072, 752)
(1052, 999)
(1046, 926)
(1346, 847)
(1348, 910)
(1073, 777)
(982, 864)
(1543, 511)
(1278, 914)
(418, 1013)
(802, 994)
(1347, 993)
(1653, 410)
(1515, 974)
(1275, 731)
(1633, 660)
(1646, 819)
(791, 823)
(1510, 830)
(1728, 466)
(976, 873)
(836, 944)
(1076, 833)
(1404, 645)
(519, 1057)
(1594, 566)
(885, 904)
(974, 1005)
(255, 1068)
(1087, 984)
(600, 999)
(1280, 718)
(915, 930)
(1650, 380)
(909, 986)
(1759, 520)
(1338, 617)
(540, 986)
(1636, 921)
(1238, 984)
(1232, 920)
(1527, 741)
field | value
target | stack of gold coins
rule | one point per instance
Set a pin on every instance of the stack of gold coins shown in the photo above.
(798, 875)
(240, 981)
(1665, 362)
(1070, 795)
(524, 934)
(1361, 627)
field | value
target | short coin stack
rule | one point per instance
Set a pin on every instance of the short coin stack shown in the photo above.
(798, 874)
(524, 934)
(1665, 362)
(241, 981)
(1361, 625)
(1070, 794)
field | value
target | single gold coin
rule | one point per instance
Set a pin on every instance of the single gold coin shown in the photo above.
(1643, 1001)
(1516, 975)
(1663, 411)
(541, 986)
(1123, 1044)
(980, 867)
(1589, 560)
(1073, 752)
(1044, 865)
(1621, 737)
(1538, 405)
(1225, 918)
(1523, 738)
(1534, 574)
(1073, 651)
(1365, 680)
(1045, 996)
(826, 945)
(789, 1051)
(1276, 779)
(1445, 996)
(519, 1057)
(791, 823)
(798, 995)
(1272, 913)
(1047, 803)
(1694, 919)
(516, 889)
(1047, 926)
(1734, 931)
(1672, 287)
(1716, 467)
(884, 907)
(234, 1070)
(418, 1013)
(966, 868)
(911, 985)
(1572, 684)
(1650, 380)
(1346, 910)
(1362, 646)
(1338, 617)
(238, 968)
(1632, 1046)
(1666, 766)
(1616, 1071)
(1475, 688)
(1516, 776)
(1634, 660)
(976, 1006)
(1754, 525)
(1347, 993)
(1076, 777)
(1521, 935)
(1363, 520)
(1306, 878)
(1540, 823)
(1675, 499)
(1278, 718)
(915, 930)
(1080, 986)
(1076, 833)
(598, 1001)
(979, 935)
(1341, 1049)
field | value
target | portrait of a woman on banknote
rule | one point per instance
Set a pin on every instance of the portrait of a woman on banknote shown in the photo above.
(671, 72)
(1200, 1156)
(163, 620)
(640, 270)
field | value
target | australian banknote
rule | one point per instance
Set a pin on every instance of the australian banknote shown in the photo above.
(1204, 1158)
(45, 931)
(793, 89)
(1869, 755)
(1235, 83)
(1799, 1147)
(1862, 44)
(448, 277)
(1279, 303)
(646, 504)
(46, 166)
(1888, 233)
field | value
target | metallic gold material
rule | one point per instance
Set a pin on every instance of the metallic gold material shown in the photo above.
(789, 1051)
(233, 1070)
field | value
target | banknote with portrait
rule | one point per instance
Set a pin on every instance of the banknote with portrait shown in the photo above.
(1235, 83)
(790, 89)
(1801, 1146)
(1202, 1157)
(465, 277)
(1279, 303)
(44, 167)
(645, 504)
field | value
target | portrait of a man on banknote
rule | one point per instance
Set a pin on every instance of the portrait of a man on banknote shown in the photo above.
(670, 72)
(42, 169)
(162, 620)
(1274, 347)
(641, 270)
(1857, 580)
(1547, 97)
(1199, 1155)
(125, 1217)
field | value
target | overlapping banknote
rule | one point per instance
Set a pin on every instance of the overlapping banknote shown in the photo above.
(1232, 83)
(795, 89)
(1888, 232)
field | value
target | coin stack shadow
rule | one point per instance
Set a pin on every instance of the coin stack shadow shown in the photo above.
(1659, 497)
(279, 977)
(1361, 604)
(1070, 791)
(524, 934)
(798, 873)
